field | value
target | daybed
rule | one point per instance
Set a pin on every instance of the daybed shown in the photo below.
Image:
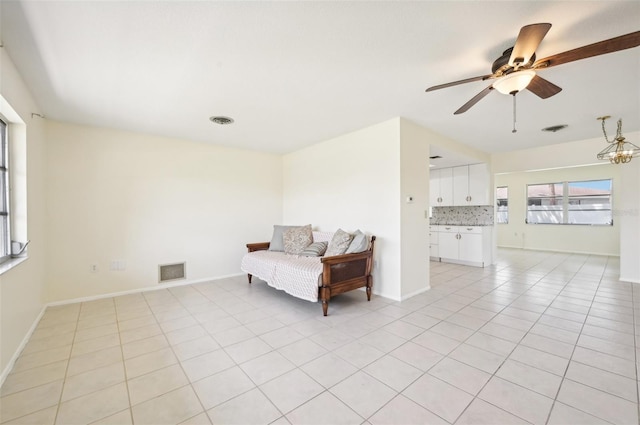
(307, 274)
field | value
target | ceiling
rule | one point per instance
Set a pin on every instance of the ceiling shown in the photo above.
(292, 74)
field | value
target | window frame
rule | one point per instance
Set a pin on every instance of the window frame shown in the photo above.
(5, 198)
(506, 206)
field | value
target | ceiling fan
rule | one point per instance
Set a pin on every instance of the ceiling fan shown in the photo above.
(516, 69)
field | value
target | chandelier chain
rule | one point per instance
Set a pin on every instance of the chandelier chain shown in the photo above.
(618, 131)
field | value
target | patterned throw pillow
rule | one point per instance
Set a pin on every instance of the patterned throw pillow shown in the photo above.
(360, 243)
(277, 244)
(316, 249)
(339, 243)
(297, 239)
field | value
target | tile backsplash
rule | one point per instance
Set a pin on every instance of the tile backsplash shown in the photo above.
(465, 216)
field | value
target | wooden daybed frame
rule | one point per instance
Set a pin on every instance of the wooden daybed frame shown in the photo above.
(340, 273)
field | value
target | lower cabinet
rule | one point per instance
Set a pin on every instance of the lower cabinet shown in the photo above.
(434, 247)
(470, 245)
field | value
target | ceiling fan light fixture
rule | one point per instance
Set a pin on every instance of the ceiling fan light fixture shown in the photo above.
(514, 82)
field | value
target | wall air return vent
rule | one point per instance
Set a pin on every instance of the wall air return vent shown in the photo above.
(168, 272)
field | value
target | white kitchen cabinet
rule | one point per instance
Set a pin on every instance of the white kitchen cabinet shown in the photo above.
(471, 245)
(448, 242)
(479, 183)
(470, 185)
(434, 252)
(441, 187)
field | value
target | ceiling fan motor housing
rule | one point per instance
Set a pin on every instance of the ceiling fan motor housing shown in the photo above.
(501, 65)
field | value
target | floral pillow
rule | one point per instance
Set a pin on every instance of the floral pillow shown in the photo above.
(339, 243)
(296, 239)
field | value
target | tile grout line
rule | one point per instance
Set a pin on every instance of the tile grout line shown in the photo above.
(124, 364)
(555, 399)
(518, 344)
(514, 348)
(64, 379)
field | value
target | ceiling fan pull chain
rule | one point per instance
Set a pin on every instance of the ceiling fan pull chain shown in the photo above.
(514, 114)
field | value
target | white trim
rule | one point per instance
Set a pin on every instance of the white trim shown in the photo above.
(27, 336)
(629, 279)
(23, 344)
(383, 295)
(561, 251)
(145, 289)
(11, 263)
(414, 293)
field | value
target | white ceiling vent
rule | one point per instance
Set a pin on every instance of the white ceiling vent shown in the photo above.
(167, 272)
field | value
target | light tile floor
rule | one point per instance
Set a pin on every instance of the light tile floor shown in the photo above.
(537, 338)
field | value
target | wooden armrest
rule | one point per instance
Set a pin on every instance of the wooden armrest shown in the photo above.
(345, 258)
(258, 246)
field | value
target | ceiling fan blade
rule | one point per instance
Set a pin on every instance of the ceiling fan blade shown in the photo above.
(475, 99)
(543, 88)
(611, 45)
(527, 42)
(455, 83)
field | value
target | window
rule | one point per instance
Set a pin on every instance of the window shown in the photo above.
(583, 202)
(5, 236)
(544, 203)
(502, 201)
(589, 202)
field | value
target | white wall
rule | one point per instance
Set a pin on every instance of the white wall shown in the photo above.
(414, 217)
(628, 215)
(583, 152)
(352, 182)
(148, 200)
(604, 240)
(23, 289)
(362, 180)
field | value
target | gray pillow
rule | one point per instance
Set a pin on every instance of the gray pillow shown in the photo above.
(277, 243)
(316, 249)
(360, 243)
(339, 243)
(297, 239)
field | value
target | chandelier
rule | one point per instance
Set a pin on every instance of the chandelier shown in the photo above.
(619, 151)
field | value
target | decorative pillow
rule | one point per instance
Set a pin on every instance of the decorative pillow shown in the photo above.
(297, 239)
(339, 243)
(277, 243)
(360, 243)
(316, 249)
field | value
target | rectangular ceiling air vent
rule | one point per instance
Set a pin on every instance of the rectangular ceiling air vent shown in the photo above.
(167, 272)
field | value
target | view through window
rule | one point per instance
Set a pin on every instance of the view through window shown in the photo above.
(502, 201)
(581, 202)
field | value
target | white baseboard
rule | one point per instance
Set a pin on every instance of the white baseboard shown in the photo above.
(629, 279)
(23, 344)
(383, 295)
(561, 251)
(27, 336)
(414, 293)
(144, 289)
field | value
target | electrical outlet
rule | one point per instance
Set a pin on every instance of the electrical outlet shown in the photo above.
(93, 268)
(117, 265)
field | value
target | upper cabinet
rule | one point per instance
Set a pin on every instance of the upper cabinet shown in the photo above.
(441, 187)
(471, 185)
(460, 186)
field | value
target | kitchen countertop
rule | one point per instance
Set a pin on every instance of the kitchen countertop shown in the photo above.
(460, 224)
